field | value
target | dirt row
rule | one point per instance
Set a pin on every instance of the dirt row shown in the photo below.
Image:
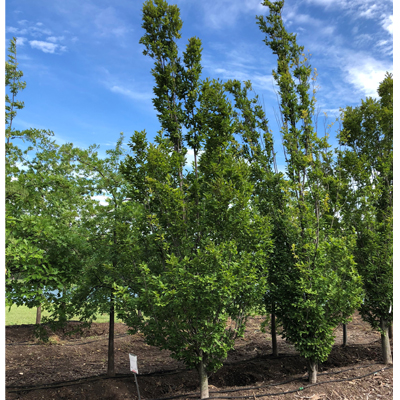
(76, 367)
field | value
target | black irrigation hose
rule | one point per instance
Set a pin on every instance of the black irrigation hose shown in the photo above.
(16, 389)
(304, 388)
(119, 376)
(266, 386)
(194, 395)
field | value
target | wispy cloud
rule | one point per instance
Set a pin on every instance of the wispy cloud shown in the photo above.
(28, 28)
(55, 39)
(135, 95)
(46, 47)
(364, 72)
(362, 39)
(292, 16)
(21, 41)
(385, 47)
(222, 13)
(387, 23)
(108, 23)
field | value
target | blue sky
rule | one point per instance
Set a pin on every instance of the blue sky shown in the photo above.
(87, 79)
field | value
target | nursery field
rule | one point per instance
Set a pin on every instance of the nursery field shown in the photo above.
(74, 367)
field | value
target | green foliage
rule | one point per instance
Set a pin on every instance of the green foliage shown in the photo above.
(109, 231)
(203, 246)
(313, 279)
(44, 196)
(13, 82)
(367, 160)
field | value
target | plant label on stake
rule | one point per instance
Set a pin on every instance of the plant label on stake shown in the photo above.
(133, 362)
(134, 369)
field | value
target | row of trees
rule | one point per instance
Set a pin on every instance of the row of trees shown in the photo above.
(184, 253)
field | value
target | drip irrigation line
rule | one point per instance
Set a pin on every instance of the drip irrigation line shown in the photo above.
(16, 389)
(13, 389)
(301, 389)
(194, 395)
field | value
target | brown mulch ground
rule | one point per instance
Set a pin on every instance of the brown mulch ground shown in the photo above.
(76, 366)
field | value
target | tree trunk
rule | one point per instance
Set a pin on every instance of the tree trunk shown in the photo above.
(203, 380)
(312, 367)
(110, 367)
(38, 315)
(386, 353)
(273, 333)
(344, 335)
(391, 331)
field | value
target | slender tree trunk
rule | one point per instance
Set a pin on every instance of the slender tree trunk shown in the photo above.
(273, 333)
(110, 367)
(38, 315)
(312, 367)
(386, 353)
(203, 380)
(391, 331)
(344, 335)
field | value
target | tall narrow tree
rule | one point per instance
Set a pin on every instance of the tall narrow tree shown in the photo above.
(202, 243)
(317, 281)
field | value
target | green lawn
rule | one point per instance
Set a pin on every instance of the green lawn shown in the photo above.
(23, 315)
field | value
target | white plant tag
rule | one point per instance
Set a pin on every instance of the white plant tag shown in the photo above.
(133, 362)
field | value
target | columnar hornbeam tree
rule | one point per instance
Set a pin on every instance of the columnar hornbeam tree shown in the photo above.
(198, 271)
(317, 282)
(367, 159)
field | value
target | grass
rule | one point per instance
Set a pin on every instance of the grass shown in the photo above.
(23, 315)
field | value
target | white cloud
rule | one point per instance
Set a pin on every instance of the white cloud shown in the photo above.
(358, 9)
(190, 157)
(387, 23)
(370, 12)
(107, 22)
(35, 31)
(326, 3)
(130, 93)
(362, 39)
(20, 41)
(218, 14)
(385, 47)
(11, 29)
(55, 39)
(292, 16)
(46, 47)
(365, 73)
(17, 31)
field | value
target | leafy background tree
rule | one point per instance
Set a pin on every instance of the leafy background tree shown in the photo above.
(367, 158)
(43, 197)
(110, 233)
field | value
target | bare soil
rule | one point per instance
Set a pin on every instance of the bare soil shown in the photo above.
(74, 367)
